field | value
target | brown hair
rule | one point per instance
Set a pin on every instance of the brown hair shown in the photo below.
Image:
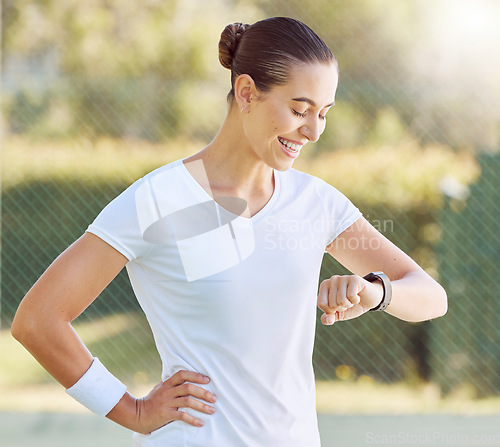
(268, 49)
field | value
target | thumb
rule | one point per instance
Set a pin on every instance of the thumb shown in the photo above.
(328, 319)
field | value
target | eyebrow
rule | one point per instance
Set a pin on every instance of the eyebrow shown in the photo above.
(311, 102)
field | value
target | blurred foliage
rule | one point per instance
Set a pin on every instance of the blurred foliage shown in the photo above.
(109, 68)
(387, 175)
(150, 69)
(466, 350)
(97, 93)
(53, 189)
(111, 37)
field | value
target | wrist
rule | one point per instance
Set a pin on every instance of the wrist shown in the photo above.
(127, 413)
(97, 389)
(386, 286)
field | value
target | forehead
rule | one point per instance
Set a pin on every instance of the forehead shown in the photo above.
(316, 81)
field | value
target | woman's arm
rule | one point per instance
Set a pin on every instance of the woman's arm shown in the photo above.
(43, 325)
(43, 320)
(362, 249)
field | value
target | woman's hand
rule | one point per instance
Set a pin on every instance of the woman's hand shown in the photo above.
(161, 405)
(362, 249)
(347, 297)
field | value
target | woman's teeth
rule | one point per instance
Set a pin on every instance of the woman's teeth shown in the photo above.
(293, 147)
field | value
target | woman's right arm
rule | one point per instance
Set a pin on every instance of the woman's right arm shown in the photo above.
(43, 326)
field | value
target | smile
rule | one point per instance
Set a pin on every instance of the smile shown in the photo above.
(290, 148)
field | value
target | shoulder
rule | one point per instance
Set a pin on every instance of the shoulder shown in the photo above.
(295, 178)
(299, 181)
(163, 178)
(168, 170)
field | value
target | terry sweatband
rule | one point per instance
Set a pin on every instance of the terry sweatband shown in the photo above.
(98, 389)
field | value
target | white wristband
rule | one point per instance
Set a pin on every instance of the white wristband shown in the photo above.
(98, 389)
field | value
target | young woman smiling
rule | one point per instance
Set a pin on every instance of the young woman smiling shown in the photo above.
(233, 317)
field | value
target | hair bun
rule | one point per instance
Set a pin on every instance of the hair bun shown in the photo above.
(229, 41)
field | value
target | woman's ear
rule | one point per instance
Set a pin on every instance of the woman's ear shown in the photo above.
(244, 88)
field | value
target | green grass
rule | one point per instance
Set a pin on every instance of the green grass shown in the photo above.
(25, 386)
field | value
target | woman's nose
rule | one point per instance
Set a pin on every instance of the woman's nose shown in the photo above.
(312, 131)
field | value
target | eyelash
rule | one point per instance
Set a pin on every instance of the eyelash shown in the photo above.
(303, 115)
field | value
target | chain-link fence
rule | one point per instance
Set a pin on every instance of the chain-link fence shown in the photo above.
(98, 93)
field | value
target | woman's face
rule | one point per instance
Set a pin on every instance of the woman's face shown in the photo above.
(280, 122)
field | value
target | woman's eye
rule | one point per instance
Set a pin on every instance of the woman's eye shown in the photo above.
(302, 115)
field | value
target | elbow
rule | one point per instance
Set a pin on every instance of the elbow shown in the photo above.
(22, 328)
(25, 327)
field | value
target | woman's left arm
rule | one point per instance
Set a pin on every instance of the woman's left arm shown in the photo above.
(362, 249)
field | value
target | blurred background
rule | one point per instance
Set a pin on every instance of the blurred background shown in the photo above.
(97, 93)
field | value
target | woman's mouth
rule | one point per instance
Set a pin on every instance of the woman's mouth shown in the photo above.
(289, 148)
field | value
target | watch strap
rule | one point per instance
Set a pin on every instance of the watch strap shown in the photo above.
(386, 285)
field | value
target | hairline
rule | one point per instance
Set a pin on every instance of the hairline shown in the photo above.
(292, 63)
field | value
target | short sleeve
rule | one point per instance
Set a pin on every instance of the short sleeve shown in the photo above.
(118, 224)
(340, 211)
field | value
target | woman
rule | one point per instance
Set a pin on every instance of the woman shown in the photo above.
(223, 250)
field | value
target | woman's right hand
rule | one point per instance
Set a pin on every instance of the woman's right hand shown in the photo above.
(161, 405)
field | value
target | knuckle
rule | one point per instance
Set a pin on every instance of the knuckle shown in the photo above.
(333, 290)
(175, 377)
(189, 388)
(332, 299)
(333, 279)
(352, 295)
(350, 298)
(186, 401)
(182, 416)
(166, 412)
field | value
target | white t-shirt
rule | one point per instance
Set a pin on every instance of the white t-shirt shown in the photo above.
(231, 297)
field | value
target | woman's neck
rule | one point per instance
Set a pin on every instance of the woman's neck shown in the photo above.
(230, 168)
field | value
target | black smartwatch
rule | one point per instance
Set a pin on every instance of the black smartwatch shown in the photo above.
(386, 284)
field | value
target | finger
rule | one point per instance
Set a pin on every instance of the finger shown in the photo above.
(187, 376)
(349, 314)
(323, 296)
(188, 389)
(332, 296)
(195, 404)
(340, 302)
(352, 291)
(186, 417)
(328, 318)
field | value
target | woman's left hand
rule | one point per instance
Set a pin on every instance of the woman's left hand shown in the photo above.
(346, 297)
